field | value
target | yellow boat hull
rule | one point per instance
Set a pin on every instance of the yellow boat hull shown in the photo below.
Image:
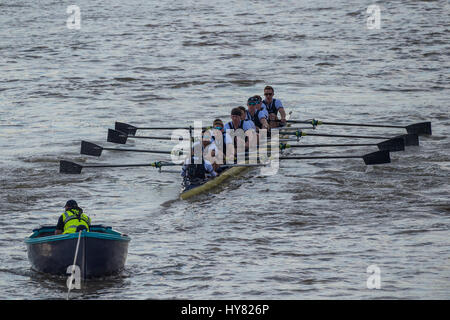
(232, 172)
(227, 174)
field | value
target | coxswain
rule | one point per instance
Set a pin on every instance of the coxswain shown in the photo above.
(195, 173)
(73, 219)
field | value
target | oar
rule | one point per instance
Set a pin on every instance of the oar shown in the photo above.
(421, 128)
(410, 139)
(378, 157)
(395, 144)
(92, 149)
(121, 137)
(75, 168)
(131, 130)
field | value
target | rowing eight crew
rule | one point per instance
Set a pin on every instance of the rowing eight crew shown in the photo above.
(261, 114)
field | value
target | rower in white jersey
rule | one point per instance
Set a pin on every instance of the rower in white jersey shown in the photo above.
(273, 105)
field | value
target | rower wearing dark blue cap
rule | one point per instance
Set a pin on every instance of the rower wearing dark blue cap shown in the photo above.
(258, 116)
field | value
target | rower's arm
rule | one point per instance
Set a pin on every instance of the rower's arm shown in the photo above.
(283, 115)
(264, 123)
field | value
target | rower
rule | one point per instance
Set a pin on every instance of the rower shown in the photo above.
(219, 127)
(259, 105)
(258, 116)
(246, 118)
(235, 124)
(274, 105)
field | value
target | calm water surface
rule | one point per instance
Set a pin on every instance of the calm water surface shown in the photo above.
(309, 232)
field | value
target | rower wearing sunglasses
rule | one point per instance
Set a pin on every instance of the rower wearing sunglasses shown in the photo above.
(273, 106)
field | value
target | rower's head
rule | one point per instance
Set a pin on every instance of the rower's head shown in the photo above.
(243, 113)
(218, 125)
(71, 204)
(268, 93)
(259, 99)
(207, 138)
(236, 114)
(252, 104)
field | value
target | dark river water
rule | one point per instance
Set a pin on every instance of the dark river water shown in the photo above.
(313, 230)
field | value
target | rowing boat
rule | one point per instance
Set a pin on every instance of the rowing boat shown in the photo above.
(101, 251)
(219, 180)
(391, 144)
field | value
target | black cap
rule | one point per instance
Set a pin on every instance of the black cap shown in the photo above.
(71, 204)
(253, 99)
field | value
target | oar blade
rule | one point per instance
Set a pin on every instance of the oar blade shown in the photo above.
(91, 149)
(422, 128)
(395, 144)
(411, 139)
(69, 167)
(378, 157)
(126, 128)
(115, 136)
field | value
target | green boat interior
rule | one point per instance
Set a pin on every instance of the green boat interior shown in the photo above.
(46, 231)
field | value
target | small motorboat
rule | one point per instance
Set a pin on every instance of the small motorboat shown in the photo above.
(101, 251)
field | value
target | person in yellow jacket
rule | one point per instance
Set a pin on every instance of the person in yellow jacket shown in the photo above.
(73, 219)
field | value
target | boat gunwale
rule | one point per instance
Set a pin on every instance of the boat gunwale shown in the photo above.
(109, 235)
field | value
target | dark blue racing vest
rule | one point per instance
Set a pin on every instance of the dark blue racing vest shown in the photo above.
(271, 108)
(241, 125)
(255, 118)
